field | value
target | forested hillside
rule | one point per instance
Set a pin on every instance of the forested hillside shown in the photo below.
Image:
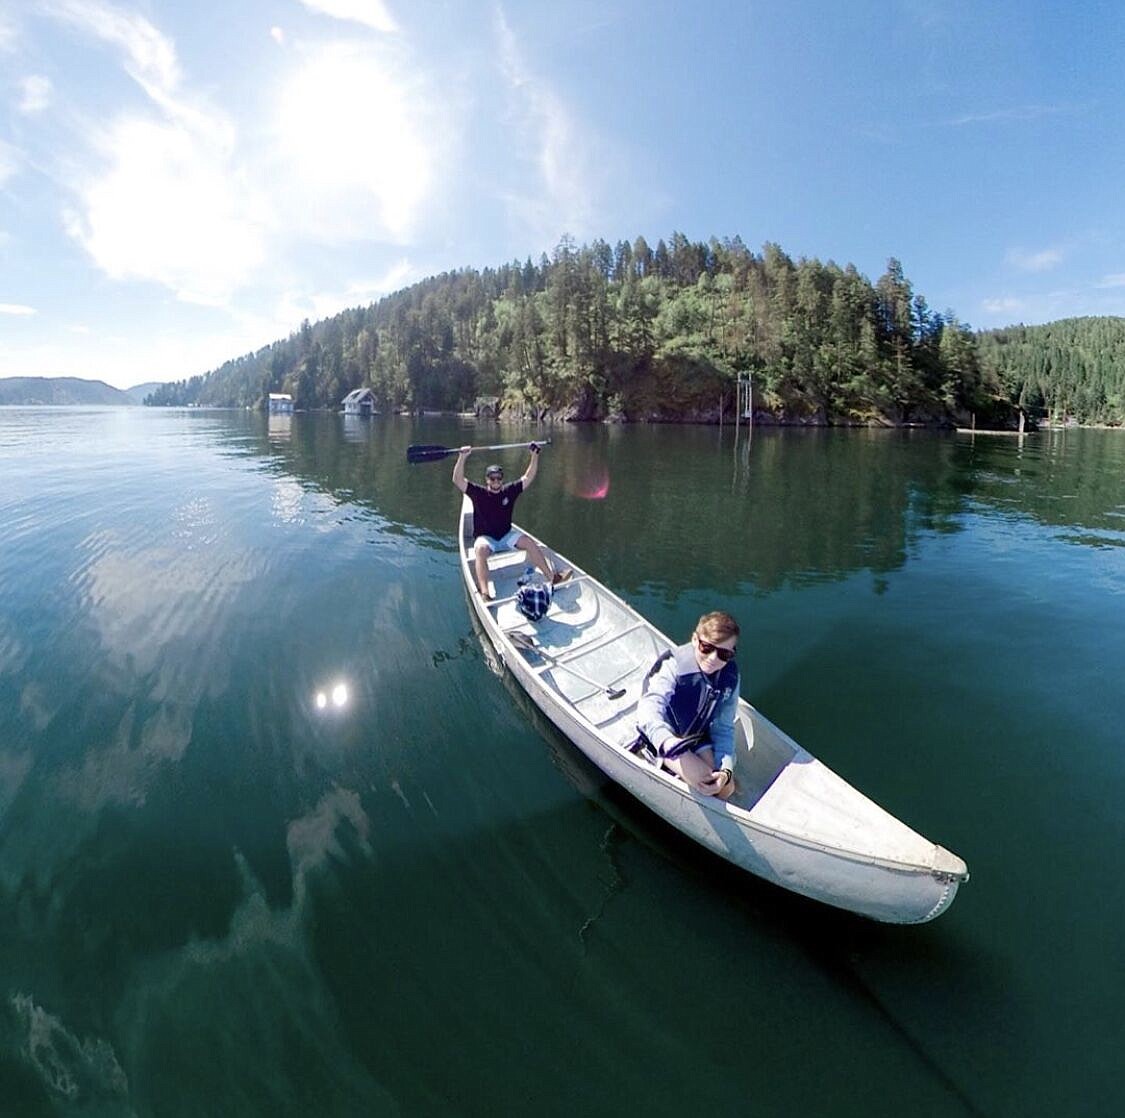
(633, 332)
(1073, 368)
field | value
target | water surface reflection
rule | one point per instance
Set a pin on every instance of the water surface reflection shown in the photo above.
(215, 886)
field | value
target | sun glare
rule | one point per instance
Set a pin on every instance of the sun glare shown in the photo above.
(351, 138)
(337, 697)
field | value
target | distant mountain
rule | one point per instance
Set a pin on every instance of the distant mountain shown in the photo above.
(139, 391)
(60, 390)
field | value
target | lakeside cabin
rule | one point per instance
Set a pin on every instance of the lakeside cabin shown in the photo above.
(280, 403)
(361, 401)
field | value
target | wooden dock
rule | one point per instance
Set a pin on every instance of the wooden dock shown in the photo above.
(986, 431)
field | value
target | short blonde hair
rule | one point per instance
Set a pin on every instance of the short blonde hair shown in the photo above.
(718, 625)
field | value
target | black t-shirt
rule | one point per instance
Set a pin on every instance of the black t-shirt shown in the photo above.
(492, 512)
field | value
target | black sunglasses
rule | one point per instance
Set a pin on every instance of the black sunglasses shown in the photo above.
(498, 474)
(706, 648)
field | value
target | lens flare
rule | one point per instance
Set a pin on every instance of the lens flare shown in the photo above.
(595, 486)
(321, 700)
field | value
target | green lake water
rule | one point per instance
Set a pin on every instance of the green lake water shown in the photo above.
(221, 896)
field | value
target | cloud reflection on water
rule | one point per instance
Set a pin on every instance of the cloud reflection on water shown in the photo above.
(259, 984)
(260, 980)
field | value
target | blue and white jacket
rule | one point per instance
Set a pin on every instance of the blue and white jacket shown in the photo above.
(682, 701)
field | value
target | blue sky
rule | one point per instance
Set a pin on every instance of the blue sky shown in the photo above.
(181, 183)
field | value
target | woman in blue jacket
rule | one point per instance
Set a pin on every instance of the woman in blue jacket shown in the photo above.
(688, 710)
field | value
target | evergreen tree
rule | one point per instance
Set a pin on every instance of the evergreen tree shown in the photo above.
(593, 330)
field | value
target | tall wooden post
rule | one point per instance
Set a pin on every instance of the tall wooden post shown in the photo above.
(745, 397)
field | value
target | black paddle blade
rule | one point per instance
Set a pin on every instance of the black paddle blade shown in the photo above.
(428, 453)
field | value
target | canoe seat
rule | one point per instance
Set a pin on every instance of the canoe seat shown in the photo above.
(571, 615)
(503, 560)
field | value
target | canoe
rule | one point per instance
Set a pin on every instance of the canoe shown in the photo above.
(791, 821)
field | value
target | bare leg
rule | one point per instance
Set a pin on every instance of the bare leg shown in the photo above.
(482, 551)
(535, 554)
(694, 768)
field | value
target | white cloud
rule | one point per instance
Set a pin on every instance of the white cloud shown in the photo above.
(171, 190)
(9, 162)
(371, 13)
(1047, 306)
(171, 207)
(294, 307)
(1005, 305)
(17, 310)
(357, 142)
(1117, 279)
(147, 353)
(150, 56)
(1041, 261)
(565, 201)
(1020, 112)
(35, 94)
(162, 196)
(7, 33)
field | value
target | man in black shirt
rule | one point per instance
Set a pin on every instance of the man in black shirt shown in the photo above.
(492, 516)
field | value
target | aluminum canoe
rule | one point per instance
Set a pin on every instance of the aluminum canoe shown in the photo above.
(792, 820)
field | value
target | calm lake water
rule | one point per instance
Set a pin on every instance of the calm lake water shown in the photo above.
(218, 896)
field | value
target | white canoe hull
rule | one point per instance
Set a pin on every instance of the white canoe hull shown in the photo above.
(792, 822)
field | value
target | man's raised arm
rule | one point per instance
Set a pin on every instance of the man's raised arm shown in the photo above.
(532, 466)
(459, 468)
